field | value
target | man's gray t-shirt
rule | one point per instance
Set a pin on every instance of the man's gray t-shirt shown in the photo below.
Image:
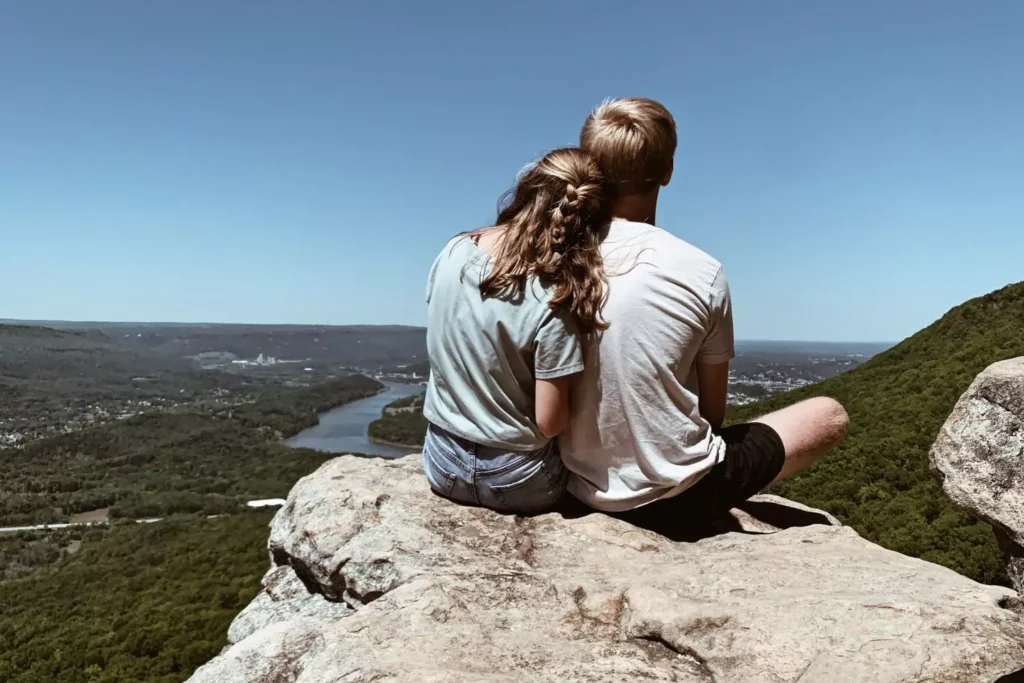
(635, 431)
(485, 354)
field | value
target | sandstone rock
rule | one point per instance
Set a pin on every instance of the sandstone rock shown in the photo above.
(979, 456)
(283, 598)
(452, 594)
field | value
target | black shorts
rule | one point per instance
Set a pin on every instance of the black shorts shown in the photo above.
(754, 455)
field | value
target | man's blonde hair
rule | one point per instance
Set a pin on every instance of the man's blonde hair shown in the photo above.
(634, 141)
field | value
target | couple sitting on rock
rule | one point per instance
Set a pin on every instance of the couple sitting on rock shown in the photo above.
(577, 348)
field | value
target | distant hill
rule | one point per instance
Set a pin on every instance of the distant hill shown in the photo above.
(352, 345)
(810, 348)
(50, 378)
(878, 480)
(40, 353)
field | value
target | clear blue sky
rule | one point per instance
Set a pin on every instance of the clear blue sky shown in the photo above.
(857, 166)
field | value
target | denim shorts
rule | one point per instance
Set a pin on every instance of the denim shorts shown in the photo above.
(511, 482)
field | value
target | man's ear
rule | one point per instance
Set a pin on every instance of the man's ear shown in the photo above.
(668, 176)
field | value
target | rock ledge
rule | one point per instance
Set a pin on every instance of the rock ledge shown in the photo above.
(375, 579)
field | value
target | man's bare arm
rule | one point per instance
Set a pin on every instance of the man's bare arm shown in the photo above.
(714, 391)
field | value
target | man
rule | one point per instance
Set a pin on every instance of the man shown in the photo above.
(646, 420)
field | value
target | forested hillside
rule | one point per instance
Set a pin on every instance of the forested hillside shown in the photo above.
(146, 602)
(207, 460)
(59, 379)
(878, 481)
(401, 423)
(150, 602)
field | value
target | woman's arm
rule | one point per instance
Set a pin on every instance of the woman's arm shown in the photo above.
(552, 405)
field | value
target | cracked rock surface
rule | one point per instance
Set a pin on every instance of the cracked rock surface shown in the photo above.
(377, 579)
(979, 456)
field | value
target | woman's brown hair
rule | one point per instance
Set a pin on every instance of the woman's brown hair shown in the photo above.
(552, 224)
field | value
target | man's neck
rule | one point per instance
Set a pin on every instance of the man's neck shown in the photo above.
(638, 208)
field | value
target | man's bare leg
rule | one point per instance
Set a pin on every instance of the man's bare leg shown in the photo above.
(808, 429)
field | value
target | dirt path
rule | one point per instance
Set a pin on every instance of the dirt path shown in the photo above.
(100, 515)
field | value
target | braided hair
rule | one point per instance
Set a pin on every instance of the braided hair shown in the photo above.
(553, 221)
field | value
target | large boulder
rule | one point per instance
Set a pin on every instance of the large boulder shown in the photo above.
(434, 592)
(979, 456)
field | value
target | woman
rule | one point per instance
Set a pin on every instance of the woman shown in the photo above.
(507, 306)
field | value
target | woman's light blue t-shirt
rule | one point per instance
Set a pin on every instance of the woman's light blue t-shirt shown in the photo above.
(485, 354)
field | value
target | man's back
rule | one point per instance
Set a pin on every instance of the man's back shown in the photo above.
(636, 433)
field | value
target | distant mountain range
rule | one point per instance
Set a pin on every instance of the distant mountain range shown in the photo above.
(354, 345)
(341, 343)
(811, 348)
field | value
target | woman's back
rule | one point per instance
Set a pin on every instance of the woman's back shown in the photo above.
(487, 352)
(504, 305)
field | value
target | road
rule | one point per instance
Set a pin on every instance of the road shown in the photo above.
(270, 502)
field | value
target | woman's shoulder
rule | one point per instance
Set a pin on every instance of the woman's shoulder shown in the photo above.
(460, 259)
(457, 249)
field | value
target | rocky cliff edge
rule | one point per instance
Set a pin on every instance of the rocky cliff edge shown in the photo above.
(375, 579)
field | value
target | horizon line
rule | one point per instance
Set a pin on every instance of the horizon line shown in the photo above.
(48, 322)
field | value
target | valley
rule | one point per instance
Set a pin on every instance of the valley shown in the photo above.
(168, 426)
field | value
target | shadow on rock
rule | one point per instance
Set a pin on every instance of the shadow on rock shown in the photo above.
(759, 515)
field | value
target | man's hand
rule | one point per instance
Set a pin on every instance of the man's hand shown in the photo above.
(714, 391)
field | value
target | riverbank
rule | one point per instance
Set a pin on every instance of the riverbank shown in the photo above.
(347, 429)
(164, 462)
(327, 401)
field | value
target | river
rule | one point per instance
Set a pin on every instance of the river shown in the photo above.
(344, 429)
